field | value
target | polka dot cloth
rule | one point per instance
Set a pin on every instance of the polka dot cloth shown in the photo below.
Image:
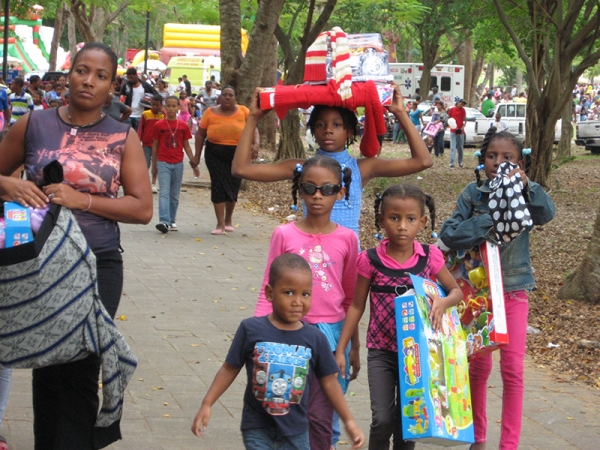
(508, 208)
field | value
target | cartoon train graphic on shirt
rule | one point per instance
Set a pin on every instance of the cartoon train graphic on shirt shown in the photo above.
(277, 385)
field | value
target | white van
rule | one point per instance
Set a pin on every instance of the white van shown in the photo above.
(198, 69)
(449, 78)
(514, 114)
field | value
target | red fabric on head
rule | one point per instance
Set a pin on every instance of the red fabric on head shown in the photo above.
(363, 94)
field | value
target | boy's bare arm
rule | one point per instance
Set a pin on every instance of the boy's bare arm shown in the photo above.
(154, 156)
(223, 379)
(334, 393)
(190, 155)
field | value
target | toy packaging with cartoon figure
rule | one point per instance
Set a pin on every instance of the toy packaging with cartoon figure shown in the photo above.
(435, 395)
(368, 58)
(482, 314)
(17, 224)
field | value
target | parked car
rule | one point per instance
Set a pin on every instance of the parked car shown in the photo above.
(472, 137)
(587, 134)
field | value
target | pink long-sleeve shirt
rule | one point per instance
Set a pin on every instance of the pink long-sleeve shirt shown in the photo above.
(332, 258)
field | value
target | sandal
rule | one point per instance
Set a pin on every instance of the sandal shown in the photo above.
(216, 231)
(3, 443)
(229, 228)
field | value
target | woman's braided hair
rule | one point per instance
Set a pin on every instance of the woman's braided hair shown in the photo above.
(403, 191)
(344, 174)
(491, 136)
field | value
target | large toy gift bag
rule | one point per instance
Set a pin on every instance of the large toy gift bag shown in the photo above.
(482, 314)
(435, 396)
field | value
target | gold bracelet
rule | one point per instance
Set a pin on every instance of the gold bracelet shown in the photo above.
(89, 204)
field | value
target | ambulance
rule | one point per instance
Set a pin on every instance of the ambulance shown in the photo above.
(450, 80)
(198, 69)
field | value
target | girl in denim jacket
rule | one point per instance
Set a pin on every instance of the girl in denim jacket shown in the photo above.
(470, 225)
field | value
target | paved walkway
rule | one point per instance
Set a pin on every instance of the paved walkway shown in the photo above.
(184, 296)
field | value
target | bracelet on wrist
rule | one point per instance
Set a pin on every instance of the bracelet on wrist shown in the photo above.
(89, 204)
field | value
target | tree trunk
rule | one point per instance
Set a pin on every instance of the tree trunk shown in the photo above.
(541, 141)
(290, 144)
(584, 283)
(72, 35)
(246, 73)
(59, 25)
(564, 145)
(429, 51)
(474, 94)
(467, 51)
(519, 82)
(267, 126)
(231, 41)
(489, 69)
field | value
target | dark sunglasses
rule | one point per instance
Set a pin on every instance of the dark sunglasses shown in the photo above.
(326, 189)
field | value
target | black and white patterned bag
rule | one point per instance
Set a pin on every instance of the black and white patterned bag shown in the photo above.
(51, 312)
(507, 204)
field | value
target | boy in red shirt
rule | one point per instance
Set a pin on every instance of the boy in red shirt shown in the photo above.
(146, 130)
(170, 137)
(457, 135)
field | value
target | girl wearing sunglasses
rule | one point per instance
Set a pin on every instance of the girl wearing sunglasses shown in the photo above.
(331, 251)
(335, 129)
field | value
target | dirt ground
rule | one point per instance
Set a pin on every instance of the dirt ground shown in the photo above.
(556, 248)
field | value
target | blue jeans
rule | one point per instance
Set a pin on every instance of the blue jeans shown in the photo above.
(5, 375)
(457, 142)
(169, 182)
(134, 122)
(148, 155)
(273, 439)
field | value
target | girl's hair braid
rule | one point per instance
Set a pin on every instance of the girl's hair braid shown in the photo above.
(344, 176)
(346, 180)
(378, 199)
(431, 206)
(295, 184)
(349, 120)
(481, 159)
(403, 191)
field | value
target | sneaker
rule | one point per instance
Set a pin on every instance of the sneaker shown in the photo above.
(162, 227)
(461, 165)
(154, 190)
(451, 166)
(173, 227)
